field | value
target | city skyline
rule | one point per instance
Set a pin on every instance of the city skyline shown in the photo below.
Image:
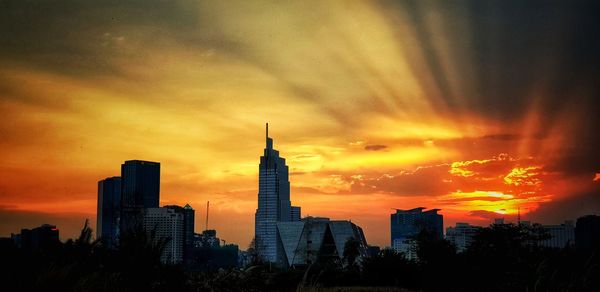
(152, 176)
(479, 110)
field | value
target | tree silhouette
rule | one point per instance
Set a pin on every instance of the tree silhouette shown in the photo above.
(351, 252)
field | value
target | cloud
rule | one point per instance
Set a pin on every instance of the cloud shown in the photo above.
(567, 208)
(487, 215)
(375, 147)
(498, 184)
(421, 181)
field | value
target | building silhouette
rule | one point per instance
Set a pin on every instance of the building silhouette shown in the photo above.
(587, 232)
(140, 188)
(498, 221)
(167, 224)
(461, 235)
(273, 201)
(108, 212)
(39, 238)
(296, 213)
(187, 239)
(131, 202)
(407, 224)
(316, 239)
(561, 236)
(208, 238)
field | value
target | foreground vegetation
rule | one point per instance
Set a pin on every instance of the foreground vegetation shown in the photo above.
(501, 258)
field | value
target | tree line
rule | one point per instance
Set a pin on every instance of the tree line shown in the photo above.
(500, 258)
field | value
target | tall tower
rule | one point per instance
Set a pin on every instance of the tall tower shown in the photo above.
(140, 189)
(273, 201)
(109, 203)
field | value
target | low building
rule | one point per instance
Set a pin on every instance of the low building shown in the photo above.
(45, 236)
(209, 254)
(561, 236)
(461, 235)
(214, 257)
(316, 239)
(405, 246)
(208, 238)
(407, 224)
(373, 250)
(296, 213)
(587, 232)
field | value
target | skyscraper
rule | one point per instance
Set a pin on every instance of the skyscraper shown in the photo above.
(140, 189)
(273, 201)
(109, 203)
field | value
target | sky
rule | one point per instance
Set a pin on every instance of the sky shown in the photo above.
(483, 109)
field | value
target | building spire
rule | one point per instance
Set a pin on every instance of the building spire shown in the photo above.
(268, 140)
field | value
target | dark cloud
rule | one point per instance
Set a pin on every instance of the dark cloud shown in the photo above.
(515, 57)
(511, 45)
(505, 137)
(300, 191)
(428, 181)
(305, 156)
(482, 214)
(297, 173)
(375, 147)
(84, 38)
(568, 208)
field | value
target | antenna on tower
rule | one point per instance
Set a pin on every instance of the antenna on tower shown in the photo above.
(518, 215)
(207, 207)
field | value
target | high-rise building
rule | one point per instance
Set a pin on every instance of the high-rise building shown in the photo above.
(562, 235)
(273, 201)
(188, 227)
(461, 235)
(109, 205)
(189, 216)
(406, 224)
(296, 213)
(167, 224)
(140, 188)
(587, 232)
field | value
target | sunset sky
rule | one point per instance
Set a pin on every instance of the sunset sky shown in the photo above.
(478, 108)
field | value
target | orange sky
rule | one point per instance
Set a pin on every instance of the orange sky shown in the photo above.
(476, 110)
